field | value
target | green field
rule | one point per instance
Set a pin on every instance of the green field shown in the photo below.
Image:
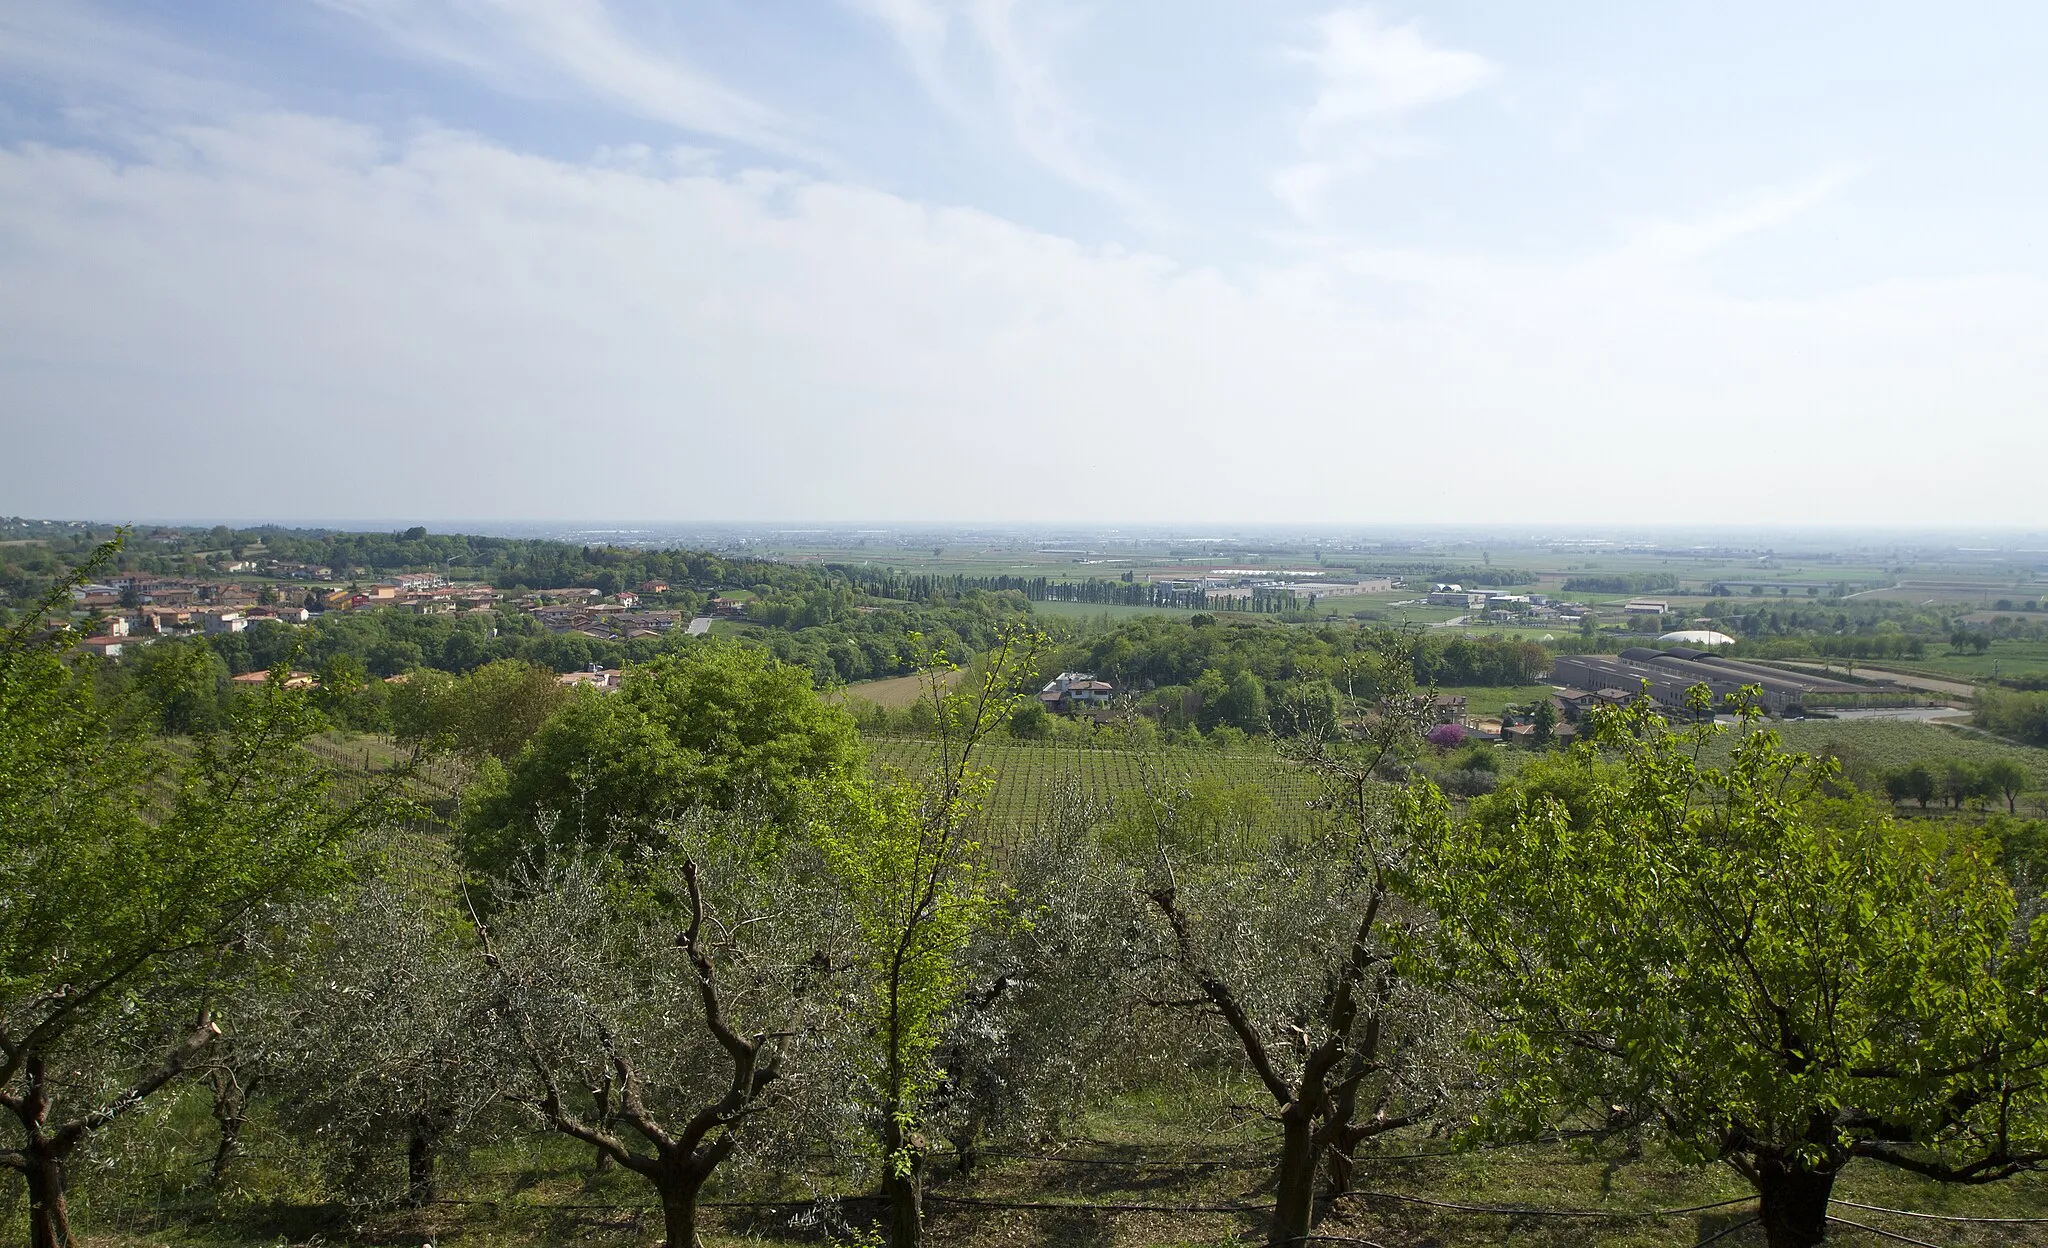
(2005, 658)
(1486, 701)
(1029, 779)
(1101, 611)
(892, 692)
(1869, 746)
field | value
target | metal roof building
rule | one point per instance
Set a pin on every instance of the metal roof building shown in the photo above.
(1669, 673)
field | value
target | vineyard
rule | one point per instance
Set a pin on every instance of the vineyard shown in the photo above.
(1885, 743)
(1254, 796)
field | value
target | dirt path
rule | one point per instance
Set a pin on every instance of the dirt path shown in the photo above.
(1904, 680)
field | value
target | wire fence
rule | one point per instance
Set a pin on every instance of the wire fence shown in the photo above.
(822, 1209)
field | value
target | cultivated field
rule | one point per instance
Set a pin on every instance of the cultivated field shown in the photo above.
(1257, 794)
(893, 693)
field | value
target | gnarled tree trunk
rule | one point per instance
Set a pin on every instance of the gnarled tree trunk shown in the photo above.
(679, 1187)
(49, 1220)
(1792, 1203)
(419, 1165)
(1295, 1188)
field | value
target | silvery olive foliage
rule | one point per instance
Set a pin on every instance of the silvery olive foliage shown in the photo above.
(364, 1036)
(1047, 1026)
(1295, 949)
(666, 1011)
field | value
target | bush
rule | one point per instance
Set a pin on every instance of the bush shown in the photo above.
(2020, 716)
(1469, 782)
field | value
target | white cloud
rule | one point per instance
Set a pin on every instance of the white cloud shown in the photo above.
(538, 46)
(1369, 70)
(1370, 76)
(290, 316)
(1016, 67)
(1757, 211)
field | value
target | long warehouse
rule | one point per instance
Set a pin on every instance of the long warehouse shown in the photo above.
(1671, 672)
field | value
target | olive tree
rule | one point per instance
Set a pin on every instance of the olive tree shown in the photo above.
(1292, 949)
(655, 1011)
(1044, 1025)
(1772, 977)
(367, 1036)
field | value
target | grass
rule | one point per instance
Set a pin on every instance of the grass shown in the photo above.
(893, 692)
(1180, 1142)
(1868, 747)
(1100, 611)
(2005, 658)
(1486, 701)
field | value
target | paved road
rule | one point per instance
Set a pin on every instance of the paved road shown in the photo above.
(1925, 714)
(699, 626)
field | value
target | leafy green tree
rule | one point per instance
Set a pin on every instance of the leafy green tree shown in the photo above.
(183, 685)
(125, 908)
(1962, 782)
(2007, 778)
(1029, 722)
(1544, 721)
(917, 895)
(1778, 980)
(494, 710)
(2021, 716)
(716, 726)
(1913, 782)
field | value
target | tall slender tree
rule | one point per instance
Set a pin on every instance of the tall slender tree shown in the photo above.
(918, 891)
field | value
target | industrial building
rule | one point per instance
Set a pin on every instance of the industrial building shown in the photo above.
(1669, 673)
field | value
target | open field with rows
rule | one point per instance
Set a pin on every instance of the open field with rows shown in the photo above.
(1879, 744)
(1271, 795)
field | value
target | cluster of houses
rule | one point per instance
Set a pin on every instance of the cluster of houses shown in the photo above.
(608, 621)
(135, 608)
(1503, 608)
(138, 607)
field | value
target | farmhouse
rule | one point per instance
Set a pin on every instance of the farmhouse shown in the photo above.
(601, 678)
(1070, 692)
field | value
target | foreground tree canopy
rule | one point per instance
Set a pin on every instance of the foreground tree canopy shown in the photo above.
(129, 880)
(1768, 975)
(717, 726)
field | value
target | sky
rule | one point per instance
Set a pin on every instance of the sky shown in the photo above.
(1024, 261)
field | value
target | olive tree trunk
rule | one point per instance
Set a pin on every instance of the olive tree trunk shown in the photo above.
(49, 1220)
